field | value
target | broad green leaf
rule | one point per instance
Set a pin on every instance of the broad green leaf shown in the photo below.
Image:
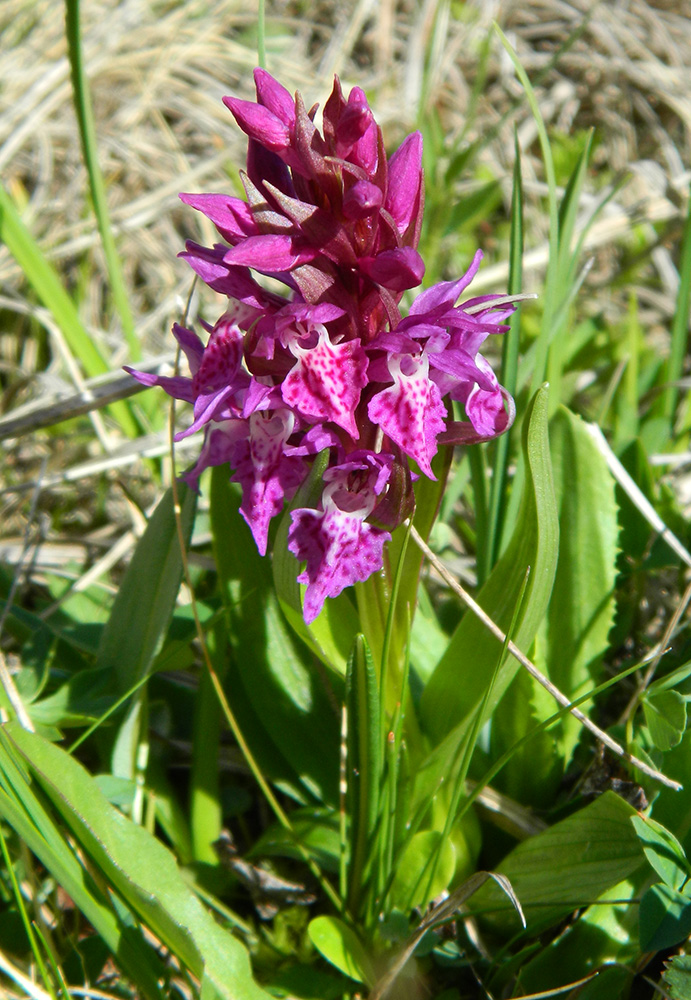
(141, 614)
(602, 933)
(307, 982)
(532, 773)
(286, 704)
(665, 717)
(79, 701)
(145, 601)
(613, 982)
(428, 641)
(22, 810)
(411, 880)
(428, 498)
(340, 945)
(568, 866)
(579, 616)
(664, 918)
(140, 869)
(581, 608)
(458, 683)
(663, 851)
(364, 763)
(677, 977)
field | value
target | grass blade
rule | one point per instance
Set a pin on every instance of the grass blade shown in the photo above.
(509, 366)
(552, 291)
(364, 763)
(45, 281)
(680, 327)
(87, 133)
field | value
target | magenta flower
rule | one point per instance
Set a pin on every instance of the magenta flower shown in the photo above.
(338, 545)
(330, 364)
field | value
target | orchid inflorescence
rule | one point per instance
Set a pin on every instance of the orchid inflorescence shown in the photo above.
(331, 364)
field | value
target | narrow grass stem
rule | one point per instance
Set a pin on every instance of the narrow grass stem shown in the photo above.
(680, 330)
(509, 367)
(551, 284)
(30, 930)
(87, 134)
(205, 805)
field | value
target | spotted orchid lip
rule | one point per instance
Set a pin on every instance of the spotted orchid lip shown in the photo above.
(330, 364)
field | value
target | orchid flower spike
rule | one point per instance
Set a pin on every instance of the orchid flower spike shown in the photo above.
(330, 364)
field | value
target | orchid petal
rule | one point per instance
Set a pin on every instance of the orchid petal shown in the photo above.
(405, 181)
(259, 123)
(270, 253)
(395, 269)
(340, 550)
(411, 411)
(327, 381)
(274, 96)
(231, 216)
(442, 296)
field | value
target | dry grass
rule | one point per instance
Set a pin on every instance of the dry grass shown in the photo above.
(158, 72)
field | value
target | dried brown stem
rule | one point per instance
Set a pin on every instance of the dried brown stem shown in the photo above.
(533, 670)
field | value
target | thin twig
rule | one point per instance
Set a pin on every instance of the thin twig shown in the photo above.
(533, 670)
(635, 495)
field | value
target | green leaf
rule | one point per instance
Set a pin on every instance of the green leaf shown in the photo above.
(340, 945)
(677, 977)
(533, 769)
(411, 881)
(458, 683)
(579, 616)
(664, 918)
(663, 851)
(665, 717)
(672, 679)
(80, 701)
(21, 809)
(509, 364)
(141, 614)
(613, 982)
(605, 932)
(307, 982)
(140, 869)
(582, 605)
(145, 601)
(87, 133)
(365, 745)
(567, 866)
